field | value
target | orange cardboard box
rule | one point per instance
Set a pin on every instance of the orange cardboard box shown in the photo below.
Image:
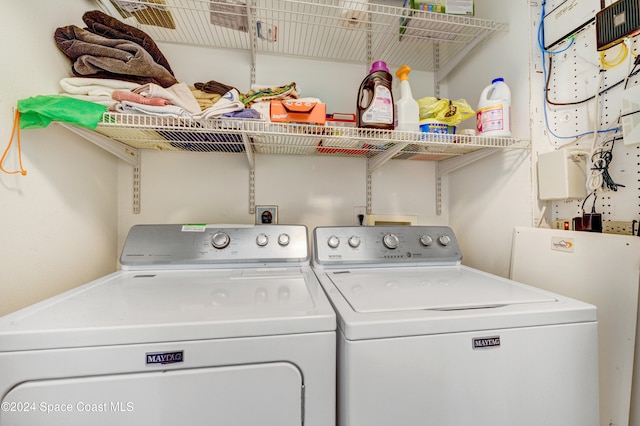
(298, 111)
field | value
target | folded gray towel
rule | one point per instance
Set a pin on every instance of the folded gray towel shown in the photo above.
(97, 56)
(107, 26)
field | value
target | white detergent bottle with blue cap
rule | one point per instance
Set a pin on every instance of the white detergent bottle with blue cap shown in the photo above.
(407, 109)
(493, 117)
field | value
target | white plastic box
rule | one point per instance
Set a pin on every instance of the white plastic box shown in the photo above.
(561, 175)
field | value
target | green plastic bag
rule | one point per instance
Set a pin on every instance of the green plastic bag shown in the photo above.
(38, 111)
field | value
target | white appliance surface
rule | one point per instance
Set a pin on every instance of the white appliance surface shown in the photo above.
(423, 339)
(171, 305)
(439, 288)
(186, 333)
(602, 269)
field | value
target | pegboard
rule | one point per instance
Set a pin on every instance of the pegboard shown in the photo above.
(583, 94)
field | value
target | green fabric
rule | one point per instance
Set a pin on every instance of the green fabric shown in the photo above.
(37, 112)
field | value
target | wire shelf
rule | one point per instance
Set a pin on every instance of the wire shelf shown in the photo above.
(338, 30)
(353, 31)
(257, 136)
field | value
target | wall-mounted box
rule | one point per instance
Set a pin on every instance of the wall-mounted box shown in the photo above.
(561, 175)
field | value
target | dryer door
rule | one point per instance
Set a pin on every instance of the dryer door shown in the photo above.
(259, 394)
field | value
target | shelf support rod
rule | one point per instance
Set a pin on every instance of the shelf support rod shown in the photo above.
(452, 164)
(127, 154)
(445, 167)
(136, 188)
(253, 41)
(436, 67)
(251, 159)
(253, 38)
(374, 163)
(120, 150)
(369, 195)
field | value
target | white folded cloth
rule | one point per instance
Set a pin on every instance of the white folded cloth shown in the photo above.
(179, 94)
(173, 111)
(264, 108)
(230, 102)
(94, 86)
(96, 90)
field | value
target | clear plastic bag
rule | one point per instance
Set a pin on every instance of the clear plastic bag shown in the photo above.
(445, 110)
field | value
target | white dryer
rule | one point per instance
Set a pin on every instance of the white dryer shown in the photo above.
(204, 324)
(424, 340)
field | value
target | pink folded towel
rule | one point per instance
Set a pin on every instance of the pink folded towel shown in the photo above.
(119, 95)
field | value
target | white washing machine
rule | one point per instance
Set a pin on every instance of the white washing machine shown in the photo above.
(204, 324)
(424, 340)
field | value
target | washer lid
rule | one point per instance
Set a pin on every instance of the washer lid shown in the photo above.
(130, 307)
(375, 303)
(431, 288)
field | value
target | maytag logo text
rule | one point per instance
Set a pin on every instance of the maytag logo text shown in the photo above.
(486, 342)
(165, 357)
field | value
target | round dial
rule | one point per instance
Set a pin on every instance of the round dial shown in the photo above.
(333, 241)
(262, 240)
(426, 240)
(284, 239)
(220, 240)
(444, 240)
(390, 241)
(354, 241)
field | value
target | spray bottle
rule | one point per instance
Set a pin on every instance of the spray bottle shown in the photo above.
(407, 109)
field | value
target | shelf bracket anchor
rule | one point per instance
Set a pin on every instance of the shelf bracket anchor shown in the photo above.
(251, 159)
(136, 188)
(369, 197)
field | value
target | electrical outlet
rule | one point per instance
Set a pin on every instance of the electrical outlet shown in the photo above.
(617, 227)
(359, 211)
(563, 224)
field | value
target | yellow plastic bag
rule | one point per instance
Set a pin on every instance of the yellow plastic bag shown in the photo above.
(445, 110)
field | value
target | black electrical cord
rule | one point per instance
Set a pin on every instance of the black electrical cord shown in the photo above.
(601, 160)
(635, 70)
(593, 206)
(633, 73)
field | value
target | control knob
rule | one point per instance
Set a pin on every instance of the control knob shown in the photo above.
(354, 241)
(444, 240)
(333, 241)
(220, 240)
(284, 239)
(426, 240)
(390, 241)
(262, 240)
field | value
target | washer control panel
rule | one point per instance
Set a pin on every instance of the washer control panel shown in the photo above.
(205, 245)
(385, 245)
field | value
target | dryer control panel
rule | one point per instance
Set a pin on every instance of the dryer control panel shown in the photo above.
(385, 245)
(206, 245)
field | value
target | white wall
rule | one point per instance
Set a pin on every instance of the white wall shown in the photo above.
(214, 188)
(58, 223)
(65, 222)
(490, 197)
